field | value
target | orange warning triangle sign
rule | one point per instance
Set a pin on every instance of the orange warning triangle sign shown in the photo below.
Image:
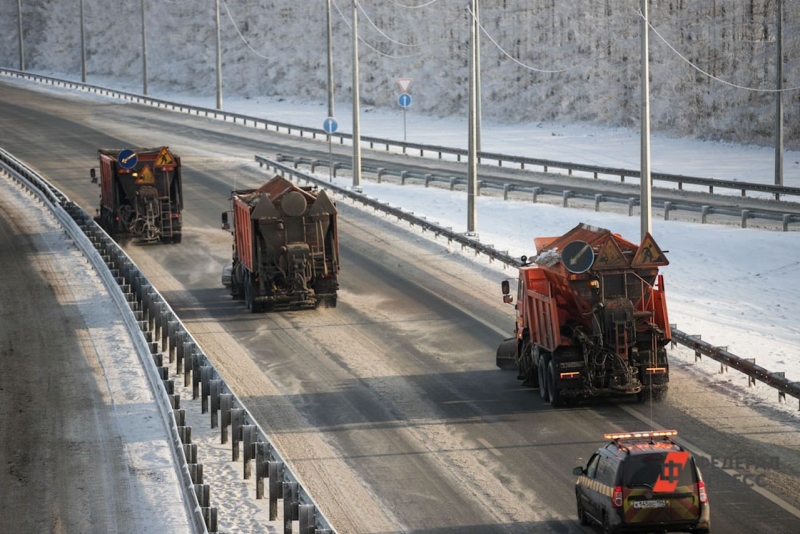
(610, 256)
(165, 158)
(649, 255)
(146, 176)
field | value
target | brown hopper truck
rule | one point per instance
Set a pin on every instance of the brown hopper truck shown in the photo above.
(285, 247)
(141, 194)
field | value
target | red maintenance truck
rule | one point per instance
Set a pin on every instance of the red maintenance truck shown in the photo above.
(591, 317)
(141, 196)
(285, 247)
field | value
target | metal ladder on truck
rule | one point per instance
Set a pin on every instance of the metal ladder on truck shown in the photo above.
(166, 218)
(167, 230)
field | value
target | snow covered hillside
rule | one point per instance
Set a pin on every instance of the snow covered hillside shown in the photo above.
(542, 60)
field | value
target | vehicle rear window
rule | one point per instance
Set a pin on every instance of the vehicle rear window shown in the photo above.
(646, 469)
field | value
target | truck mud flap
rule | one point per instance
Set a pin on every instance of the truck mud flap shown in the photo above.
(507, 354)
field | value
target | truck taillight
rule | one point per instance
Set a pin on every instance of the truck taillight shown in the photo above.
(701, 490)
(617, 500)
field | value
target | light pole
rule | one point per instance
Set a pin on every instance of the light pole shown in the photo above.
(19, 31)
(219, 59)
(646, 189)
(330, 62)
(83, 47)
(472, 148)
(144, 54)
(779, 99)
(356, 120)
(477, 75)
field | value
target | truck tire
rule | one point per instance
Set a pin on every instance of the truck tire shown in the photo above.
(248, 292)
(252, 305)
(176, 238)
(542, 372)
(553, 393)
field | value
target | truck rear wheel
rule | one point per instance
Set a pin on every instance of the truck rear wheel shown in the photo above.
(542, 372)
(250, 293)
(553, 393)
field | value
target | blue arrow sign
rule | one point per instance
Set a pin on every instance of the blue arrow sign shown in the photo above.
(127, 159)
(330, 125)
(404, 100)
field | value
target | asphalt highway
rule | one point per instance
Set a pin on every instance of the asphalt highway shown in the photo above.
(390, 406)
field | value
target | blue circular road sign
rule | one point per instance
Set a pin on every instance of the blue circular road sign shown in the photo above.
(330, 125)
(127, 159)
(404, 100)
(577, 256)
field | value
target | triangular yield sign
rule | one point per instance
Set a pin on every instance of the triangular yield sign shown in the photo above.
(404, 83)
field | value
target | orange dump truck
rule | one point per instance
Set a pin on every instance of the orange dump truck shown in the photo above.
(591, 317)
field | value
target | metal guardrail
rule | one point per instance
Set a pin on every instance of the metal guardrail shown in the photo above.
(465, 240)
(747, 366)
(406, 147)
(565, 192)
(744, 365)
(151, 317)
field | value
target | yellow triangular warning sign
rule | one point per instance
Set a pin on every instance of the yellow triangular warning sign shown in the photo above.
(146, 176)
(610, 256)
(165, 158)
(649, 255)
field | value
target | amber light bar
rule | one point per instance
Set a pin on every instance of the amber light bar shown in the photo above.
(640, 435)
(656, 370)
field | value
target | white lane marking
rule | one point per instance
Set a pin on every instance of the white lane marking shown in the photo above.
(489, 447)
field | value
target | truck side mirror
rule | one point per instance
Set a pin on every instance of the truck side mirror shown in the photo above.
(578, 471)
(225, 225)
(507, 298)
(93, 175)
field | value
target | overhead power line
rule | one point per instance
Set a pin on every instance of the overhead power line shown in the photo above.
(711, 76)
(242, 37)
(541, 70)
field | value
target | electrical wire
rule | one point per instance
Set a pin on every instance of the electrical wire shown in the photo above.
(388, 56)
(398, 4)
(544, 71)
(398, 43)
(445, 30)
(256, 52)
(708, 74)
